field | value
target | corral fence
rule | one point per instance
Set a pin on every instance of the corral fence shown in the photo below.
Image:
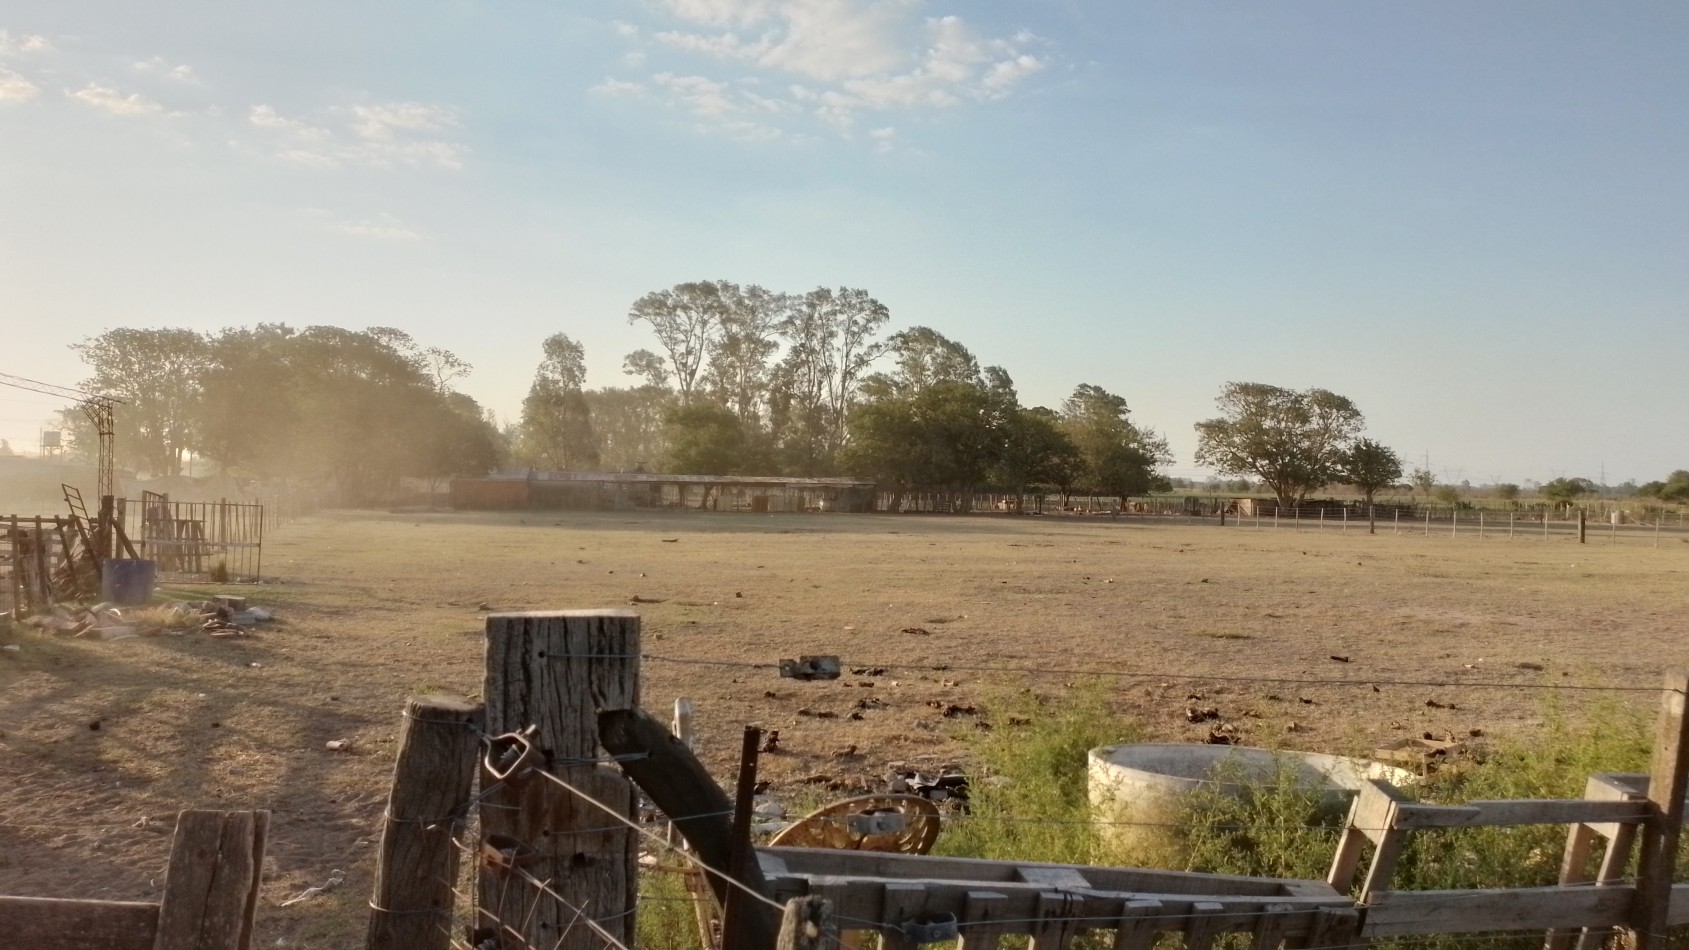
(38, 563)
(540, 787)
(216, 540)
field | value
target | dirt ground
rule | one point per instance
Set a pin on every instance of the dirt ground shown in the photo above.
(102, 742)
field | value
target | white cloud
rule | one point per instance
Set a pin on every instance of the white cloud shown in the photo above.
(618, 87)
(847, 57)
(885, 139)
(698, 95)
(624, 29)
(15, 88)
(24, 44)
(382, 121)
(266, 117)
(721, 12)
(378, 136)
(157, 66)
(114, 102)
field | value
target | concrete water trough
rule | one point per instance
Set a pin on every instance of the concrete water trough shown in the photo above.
(1141, 794)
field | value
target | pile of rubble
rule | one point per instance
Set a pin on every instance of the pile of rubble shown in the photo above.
(224, 617)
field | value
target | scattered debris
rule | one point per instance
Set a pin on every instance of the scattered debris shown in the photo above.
(1536, 667)
(951, 784)
(1436, 705)
(1306, 701)
(336, 878)
(811, 668)
(917, 631)
(817, 713)
(1222, 736)
(869, 670)
(952, 710)
(339, 745)
(770, 742)
(1342, 659)
(669, 540)
(1193, 714)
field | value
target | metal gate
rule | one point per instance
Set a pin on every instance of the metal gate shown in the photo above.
(211, 540)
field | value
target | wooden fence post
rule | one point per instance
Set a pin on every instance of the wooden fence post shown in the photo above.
(808, 925)
(416, 868)
(552, 858)
(211, 888)
(1660, 831)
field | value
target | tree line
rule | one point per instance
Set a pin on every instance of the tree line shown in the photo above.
(745, 380)
(740, 380)
(355, 409)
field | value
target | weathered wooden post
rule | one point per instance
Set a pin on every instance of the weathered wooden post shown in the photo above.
(211, 888)
(551, 861)
(1583, 526)
(1664, 824)
(808, 925)
(416, 869)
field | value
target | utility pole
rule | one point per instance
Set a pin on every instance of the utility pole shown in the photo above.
(100, 411)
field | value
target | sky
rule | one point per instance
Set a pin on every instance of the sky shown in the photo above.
(1470, 219)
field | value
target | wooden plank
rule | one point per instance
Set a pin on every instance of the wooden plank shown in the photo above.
(45, 923)
(1138, 924)
(900, 903)
(1522, 812)
(981, 910)
(1206, 922)
(1271, 926)
(416, 866)
(554, 671)
(1055, 926)
(1401, 913)
(820, 861)
(1334, 927)
(1055, 878)
(1371, 817)
(1667, 779)
(211, 888)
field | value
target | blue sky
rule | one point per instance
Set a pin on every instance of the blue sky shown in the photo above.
(1469, 218)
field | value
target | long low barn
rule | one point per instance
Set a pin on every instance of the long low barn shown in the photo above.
(592, 491)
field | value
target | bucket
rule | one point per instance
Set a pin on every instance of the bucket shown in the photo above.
(1140, 793)
(127, 581)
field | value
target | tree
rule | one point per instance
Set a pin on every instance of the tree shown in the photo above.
(831, 339)
(704, 439)
(1423, 480)
(556, 420)
(686, 318)
(924, 357)
(1119, 459)
(159, 375)
(1370, 466)
(1037, 453)
(737, 372)
(1508, 492)
(628, 423)
(1293, 441)
(1674, 489)
(1564, 491)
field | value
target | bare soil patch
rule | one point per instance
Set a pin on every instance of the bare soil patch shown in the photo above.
(102, 742)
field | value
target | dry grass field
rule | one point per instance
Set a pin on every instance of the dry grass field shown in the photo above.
(102, 742)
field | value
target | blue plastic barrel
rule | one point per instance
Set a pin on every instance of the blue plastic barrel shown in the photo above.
(127, 581)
